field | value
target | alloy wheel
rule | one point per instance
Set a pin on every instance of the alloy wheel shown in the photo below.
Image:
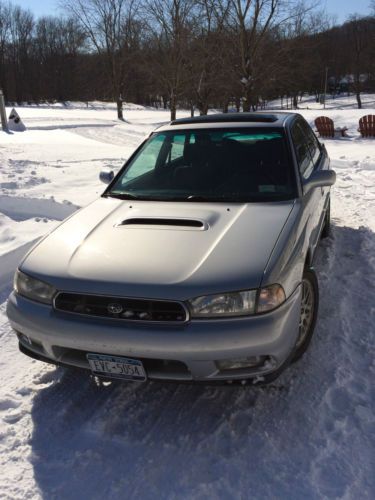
(307, 311)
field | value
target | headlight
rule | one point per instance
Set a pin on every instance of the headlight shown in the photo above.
(244, 303)
(270, 297)
(224, 304)
(33, 288)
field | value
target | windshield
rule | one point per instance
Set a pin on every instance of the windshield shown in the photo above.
(233, 165)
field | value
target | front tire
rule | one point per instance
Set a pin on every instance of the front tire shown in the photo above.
(309, 312)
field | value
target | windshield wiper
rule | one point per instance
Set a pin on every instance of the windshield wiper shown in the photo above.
(122, 196)
(196, 197)
(130, 196)
(222, 198)
(190, 198)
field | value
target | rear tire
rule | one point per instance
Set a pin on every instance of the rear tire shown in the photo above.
(309, 312)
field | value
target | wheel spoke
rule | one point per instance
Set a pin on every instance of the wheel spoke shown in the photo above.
(307, 311)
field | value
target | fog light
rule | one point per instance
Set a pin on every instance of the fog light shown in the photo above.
(23, 338)
(238, 363)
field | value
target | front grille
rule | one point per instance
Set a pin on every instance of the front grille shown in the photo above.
(128, 309)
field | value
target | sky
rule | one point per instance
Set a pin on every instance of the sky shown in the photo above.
(341, 9)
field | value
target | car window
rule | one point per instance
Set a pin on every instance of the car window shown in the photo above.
(145, 162)
(312, 141)
(302, 149)
(177, 147)
(240, 165)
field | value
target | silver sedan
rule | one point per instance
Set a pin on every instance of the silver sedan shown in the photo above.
(196, 262)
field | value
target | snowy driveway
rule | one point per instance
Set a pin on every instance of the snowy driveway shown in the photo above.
(309, 435)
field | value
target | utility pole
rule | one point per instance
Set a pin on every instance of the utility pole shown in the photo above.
(4, 121)
(325, 87)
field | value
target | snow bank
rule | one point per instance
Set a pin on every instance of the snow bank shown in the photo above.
(309, 435)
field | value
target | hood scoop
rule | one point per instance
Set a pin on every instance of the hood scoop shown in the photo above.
(163, 222)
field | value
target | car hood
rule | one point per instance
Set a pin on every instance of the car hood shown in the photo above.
(160, 249)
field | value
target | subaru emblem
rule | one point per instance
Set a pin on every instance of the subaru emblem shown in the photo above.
(114, 308)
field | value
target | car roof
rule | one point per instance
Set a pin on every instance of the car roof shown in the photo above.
(229, 120)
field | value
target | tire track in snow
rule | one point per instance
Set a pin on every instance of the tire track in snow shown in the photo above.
(188, 441)
(344, 464)
(311, 440)
(153, 428)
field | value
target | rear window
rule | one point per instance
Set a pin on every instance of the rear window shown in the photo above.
(241, 165)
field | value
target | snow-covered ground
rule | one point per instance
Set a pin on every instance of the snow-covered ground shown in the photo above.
(309, 435)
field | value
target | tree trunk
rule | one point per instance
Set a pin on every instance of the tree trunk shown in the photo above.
(250, 103)
(225, 107)
(203, 108)
(238, 104)
(120, 114)
(192, 109)
(173, 107)
(358, 97)
(357, 89)
(245, 106)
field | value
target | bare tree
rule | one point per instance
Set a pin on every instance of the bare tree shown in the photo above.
(57, 42)
(19, 49)
(110, 26)
(5, 23)
(207, 62)
(196, 53)
(299, 53)
(251, 21)
(360, 35)
(172, 21)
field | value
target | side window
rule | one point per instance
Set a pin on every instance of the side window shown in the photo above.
(301, 145)
(312, 140)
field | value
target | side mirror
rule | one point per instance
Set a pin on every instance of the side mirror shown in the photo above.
(320, 178)
(106, 175)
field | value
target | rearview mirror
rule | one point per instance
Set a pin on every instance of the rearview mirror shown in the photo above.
(106, 175)
(320, 178)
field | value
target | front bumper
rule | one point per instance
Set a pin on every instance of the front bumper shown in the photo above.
(180, 352)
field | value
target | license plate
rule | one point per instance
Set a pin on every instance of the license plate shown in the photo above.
(117, 367)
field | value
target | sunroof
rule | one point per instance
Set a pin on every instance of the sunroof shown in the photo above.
(228, 117)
